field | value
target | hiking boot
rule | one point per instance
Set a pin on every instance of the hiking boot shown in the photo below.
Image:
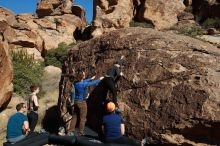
(144, 142)
(61, 131)
(80, 134)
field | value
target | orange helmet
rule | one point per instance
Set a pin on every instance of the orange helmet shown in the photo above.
(110, 107)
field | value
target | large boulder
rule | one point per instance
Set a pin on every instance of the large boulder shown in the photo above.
(50, 88)
(26, 40)
(79, 11)
(3, 24)
(50, 83)
(6, 86)
(7, 15)
(6, 18)
(6, 12)
(162, 14)
(110, 15)
(61, 29)
(54, 7)
(170, 84)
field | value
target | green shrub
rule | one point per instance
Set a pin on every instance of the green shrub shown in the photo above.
(211, 23)
(198, 18)
(141, 24)
(26, 72)
(55, 56)
(188, 9)
(190, 31)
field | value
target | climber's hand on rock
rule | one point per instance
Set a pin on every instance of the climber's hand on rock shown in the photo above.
(93, 77)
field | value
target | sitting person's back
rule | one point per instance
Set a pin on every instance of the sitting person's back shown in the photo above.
(113, 127)
(112, 123)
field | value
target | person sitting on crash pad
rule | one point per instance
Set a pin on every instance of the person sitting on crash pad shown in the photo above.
(18, 126)
(114, 128)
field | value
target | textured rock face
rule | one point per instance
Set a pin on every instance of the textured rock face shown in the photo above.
(79, 11)
(171, 83)
(206, 8)
(111, 14)
(54, 7)
(162, 14)
(50, 83)
(6, 86)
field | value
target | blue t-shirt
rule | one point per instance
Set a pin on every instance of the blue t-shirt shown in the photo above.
(15, 125)
(81, 88)
(112, 126)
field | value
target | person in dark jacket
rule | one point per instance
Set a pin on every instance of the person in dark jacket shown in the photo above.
(79, 98)
(114, 128)
(112, 76)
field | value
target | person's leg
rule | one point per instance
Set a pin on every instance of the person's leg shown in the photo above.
(29, 119)
(32, 118)
(70, 127)
(34, 138)
(16, 139)
(74, 118)
(111, 86)
(35, 120)
(82, 116)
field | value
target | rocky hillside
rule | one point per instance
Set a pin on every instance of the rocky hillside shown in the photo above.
(56, 21)
(110, 15)
(170, 91)
(162, 15)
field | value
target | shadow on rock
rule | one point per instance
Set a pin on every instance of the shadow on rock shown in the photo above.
(52, 121)
(96, 110)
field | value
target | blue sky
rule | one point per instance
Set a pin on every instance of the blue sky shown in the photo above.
(29, 6)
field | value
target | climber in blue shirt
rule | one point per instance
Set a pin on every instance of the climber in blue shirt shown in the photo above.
(81, 88)
(79, 99)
